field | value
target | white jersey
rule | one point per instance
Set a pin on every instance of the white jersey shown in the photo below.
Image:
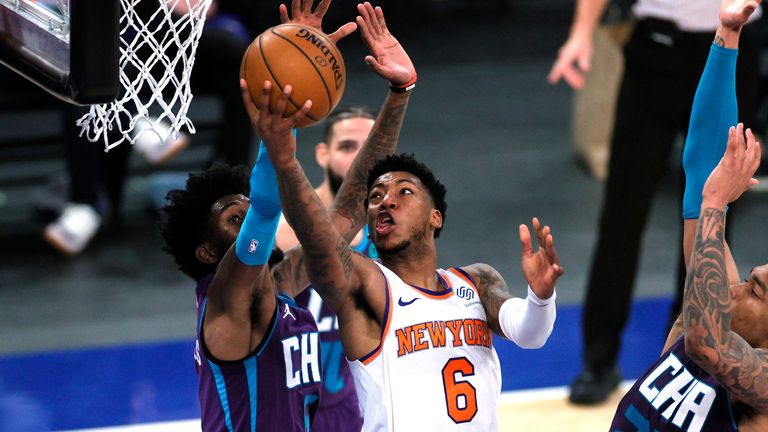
(436, 368)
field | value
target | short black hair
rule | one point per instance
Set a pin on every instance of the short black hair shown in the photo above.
(184, 220)
(407, 163)
(345, 113)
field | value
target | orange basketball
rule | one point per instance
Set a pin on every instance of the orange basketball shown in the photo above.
(302, 57)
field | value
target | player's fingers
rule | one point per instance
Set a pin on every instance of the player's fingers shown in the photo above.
(525, 240)
(322, 8)
(372, 19)
(343, 32)
(284, 18)
(282, 102)
(295, 8)
(374, 64)
(250, 107)
(369, 17)
(380, 19)
(730, 147)
(299, 115)
(306, 6)
(550, 250)
(263, 102)
(753, 151)
(742, 147)
(365, 31)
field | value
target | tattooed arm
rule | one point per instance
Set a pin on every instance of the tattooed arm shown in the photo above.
(709, 340)
(348, 212)
(493, 291)
(390, 61)
(707, 305)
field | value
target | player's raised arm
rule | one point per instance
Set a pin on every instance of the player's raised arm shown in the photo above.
(390, 61)
(527, 322)
(713, 112)
(707, 306)
(241, 297)
(330, 264)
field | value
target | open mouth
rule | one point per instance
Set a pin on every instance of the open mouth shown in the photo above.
(385, 223)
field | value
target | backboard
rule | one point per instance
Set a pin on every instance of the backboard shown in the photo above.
(71, 48)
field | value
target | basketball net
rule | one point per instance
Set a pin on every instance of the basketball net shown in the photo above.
(157, 53)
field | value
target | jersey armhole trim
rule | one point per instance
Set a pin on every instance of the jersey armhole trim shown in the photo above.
(458, 271)
(256, 351)
(368, 358)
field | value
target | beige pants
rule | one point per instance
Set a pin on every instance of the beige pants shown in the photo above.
(594, 106)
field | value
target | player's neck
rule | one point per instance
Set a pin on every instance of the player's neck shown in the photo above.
(415, 265)
(325, 194)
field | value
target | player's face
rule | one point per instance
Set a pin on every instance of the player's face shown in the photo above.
(226, 218)
(750, 308)
(347, 139)
(400, 212)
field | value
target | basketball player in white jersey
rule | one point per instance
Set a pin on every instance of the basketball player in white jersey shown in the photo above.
(419, 340)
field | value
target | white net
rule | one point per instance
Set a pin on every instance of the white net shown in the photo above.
(158, 40)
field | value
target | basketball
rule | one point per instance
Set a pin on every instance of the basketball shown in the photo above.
(300, 56)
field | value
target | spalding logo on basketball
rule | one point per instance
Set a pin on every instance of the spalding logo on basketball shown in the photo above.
(300, 56)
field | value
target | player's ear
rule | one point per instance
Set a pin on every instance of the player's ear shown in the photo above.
(322, 154)
(436, 219)
(205, 253)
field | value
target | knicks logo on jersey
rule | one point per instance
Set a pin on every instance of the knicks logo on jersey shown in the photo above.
(302, 359)
(439, 334)
(677, 395)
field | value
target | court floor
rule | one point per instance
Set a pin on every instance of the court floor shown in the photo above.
(544, 410)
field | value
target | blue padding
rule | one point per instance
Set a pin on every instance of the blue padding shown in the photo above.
(257, 234)
(714, 111)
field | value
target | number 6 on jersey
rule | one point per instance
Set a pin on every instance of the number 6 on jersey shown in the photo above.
(460, 395)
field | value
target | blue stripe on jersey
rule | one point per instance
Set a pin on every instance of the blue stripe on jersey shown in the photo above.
(202, 314)
(250, 372)
(309, 399)
(221, 388)
(266, 340)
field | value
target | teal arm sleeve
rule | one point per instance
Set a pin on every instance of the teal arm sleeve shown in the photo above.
(714, 111)
(256, 239)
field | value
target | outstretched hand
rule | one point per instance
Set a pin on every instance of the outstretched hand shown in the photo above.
(541, 268)
(388, 58)
(275, 130)
(301, 13)
(733, 175)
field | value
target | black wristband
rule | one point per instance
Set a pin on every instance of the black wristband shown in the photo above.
(405, 89)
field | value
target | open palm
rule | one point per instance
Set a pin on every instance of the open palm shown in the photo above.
(388, 58)
(541, 268)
